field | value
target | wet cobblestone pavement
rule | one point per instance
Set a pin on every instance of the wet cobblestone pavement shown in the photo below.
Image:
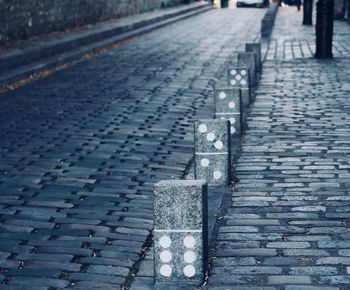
(81, 150)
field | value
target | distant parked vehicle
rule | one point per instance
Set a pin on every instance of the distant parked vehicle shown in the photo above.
(251, 3)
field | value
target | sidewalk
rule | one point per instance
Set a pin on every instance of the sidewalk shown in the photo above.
(24, 58)
(287, 227)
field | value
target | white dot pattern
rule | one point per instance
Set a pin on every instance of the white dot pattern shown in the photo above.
(205, 162)
(189, 256)
(219, 145)
(211, 136)
(217, 174)
(231, 105)
(165, 256)
(166, 270)
(165, 242)
(233, 82)
(189, 271)
(202, 128)
(222, 95)
(189, 242)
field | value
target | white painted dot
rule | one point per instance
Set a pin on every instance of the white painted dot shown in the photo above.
(205, 162)
(232, 120)
(189, 242)
(165, 256)
(231, 105)
(189, 271)
(217, 174)
(233, 82)
(202, 128)
(243, 72)
(219, 145)
(233, 130)
(222, 95)
(243, 82)
(211, 136)
(233, 72)
(238, 77)
(189, 257)
(166, 270)
(165, 242)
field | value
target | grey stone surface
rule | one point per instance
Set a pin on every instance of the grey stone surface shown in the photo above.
(239, 77)
(255, 48)
(180, 231)
(248, 59)
(212, 145)
(227, 106)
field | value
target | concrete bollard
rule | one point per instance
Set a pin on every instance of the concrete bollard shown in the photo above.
(180, 233)
(248, 59)
(212, 151)
(255, 48)
(239, 77)
(227, 104)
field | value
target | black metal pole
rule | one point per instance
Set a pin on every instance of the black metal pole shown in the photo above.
(307, 17)
(324, 28)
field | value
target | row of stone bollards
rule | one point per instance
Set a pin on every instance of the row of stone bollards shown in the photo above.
(269, 19)
(181, 206)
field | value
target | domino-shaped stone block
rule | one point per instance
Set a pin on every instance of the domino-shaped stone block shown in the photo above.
(248, 59)
(212, 151)
(228, 106)
(255, 48)
(215, 168)
(239, 77)
(180, 232)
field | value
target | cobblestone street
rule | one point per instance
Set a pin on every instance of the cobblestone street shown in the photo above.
(81, 150)
(288, 223)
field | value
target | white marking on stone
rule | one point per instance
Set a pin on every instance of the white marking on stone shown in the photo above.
(165, 256)
(231, 105)
(232, 120)
(219, 145)
(233, 130)
(189, 242)
(222, 95)
(238, 77)
(211, 136)
(211, 153)
(233, 82)
(217, 174)
(178, 231)
(202, 128)
(233, 72)
(243, 72)
(166, 270)
(205, 162)
(165, 242)
(243, 82)
(189, 271)
(189, 256)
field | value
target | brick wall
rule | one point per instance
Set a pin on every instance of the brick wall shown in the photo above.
(20, 19)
